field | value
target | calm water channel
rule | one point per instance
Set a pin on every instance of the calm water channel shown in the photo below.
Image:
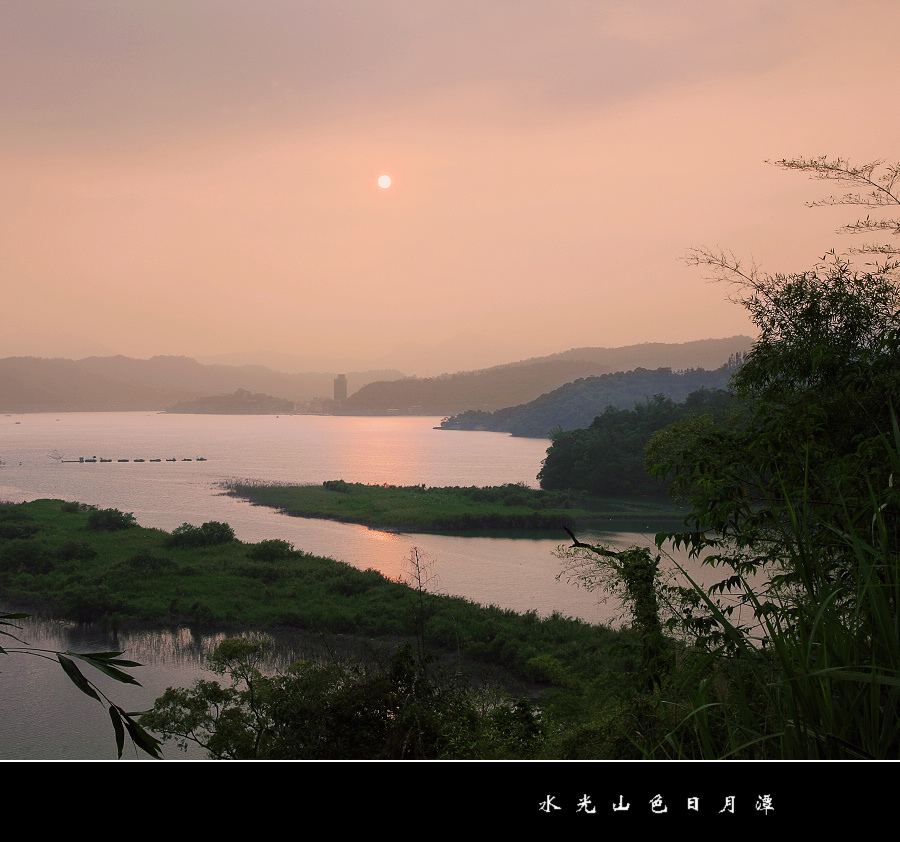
(35, 449)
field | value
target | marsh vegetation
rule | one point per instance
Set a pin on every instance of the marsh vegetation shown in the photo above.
(510, 507)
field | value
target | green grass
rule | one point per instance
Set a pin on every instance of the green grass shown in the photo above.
(50, 558)
(448, 509)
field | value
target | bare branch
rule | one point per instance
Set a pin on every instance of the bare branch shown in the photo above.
(872, 200)
(872, 248)
(880, 184)
(725, 266)
(839, 169)
(892, 226)
(576, 544)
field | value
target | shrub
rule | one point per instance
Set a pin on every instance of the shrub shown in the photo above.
(147, 564)
(111, 520)
(74, 508)
(211, 533)
(342, 710)
(271, 550)
(25, 556)
(89, 600)
(15, 523)
(18, 530)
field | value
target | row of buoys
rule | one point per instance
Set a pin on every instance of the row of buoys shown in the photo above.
(81, 460)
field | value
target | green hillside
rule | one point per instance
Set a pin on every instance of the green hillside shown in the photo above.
(575, 405)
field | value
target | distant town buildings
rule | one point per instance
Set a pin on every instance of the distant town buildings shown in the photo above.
(340, 388)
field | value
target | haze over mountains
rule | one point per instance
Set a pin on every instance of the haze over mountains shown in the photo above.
(30, 384)
(98, 384)
(462, 352)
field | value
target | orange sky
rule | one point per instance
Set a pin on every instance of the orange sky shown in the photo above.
(187, 177)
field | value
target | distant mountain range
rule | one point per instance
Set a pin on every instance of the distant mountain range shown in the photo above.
(102, 384)
(521, 382)
(32, 384)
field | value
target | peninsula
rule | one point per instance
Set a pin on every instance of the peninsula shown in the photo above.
(419, 508)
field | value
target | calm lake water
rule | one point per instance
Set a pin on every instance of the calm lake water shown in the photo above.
(511, 572)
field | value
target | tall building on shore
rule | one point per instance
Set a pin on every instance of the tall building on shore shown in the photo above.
(340, 388)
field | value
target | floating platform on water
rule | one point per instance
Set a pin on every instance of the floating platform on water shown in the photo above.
(82, 460)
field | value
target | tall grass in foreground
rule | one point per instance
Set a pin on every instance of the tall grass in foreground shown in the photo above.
(819, 677)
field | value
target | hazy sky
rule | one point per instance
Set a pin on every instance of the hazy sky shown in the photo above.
(200, 176)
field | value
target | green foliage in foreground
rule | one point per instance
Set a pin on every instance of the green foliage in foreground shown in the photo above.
(344, 710)
(805, 666)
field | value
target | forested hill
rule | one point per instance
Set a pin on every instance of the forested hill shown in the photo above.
(517, 383)
(241, 402)
(575, 405)
(607, 458)
(32, 384)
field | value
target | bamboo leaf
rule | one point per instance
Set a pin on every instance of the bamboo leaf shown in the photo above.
(853, 675)
(103, 666)
(76, 677)
(141, 738)
(116, 718)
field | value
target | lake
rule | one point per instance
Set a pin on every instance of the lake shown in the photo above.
(35, 449)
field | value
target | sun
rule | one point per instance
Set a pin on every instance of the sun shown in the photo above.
(384, 181)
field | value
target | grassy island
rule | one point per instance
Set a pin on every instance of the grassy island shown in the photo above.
(418, 508)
